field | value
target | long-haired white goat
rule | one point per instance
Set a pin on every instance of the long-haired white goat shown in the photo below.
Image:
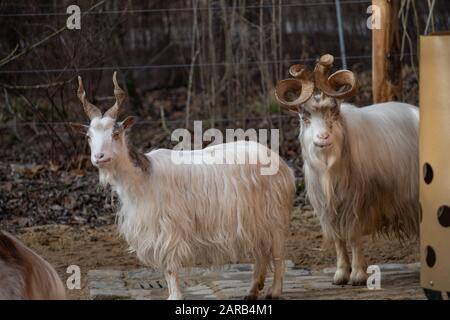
(360, 164)
(24, 275)
(179, 215)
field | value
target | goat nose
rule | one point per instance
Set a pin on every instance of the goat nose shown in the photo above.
(323, 135)
(99, 156)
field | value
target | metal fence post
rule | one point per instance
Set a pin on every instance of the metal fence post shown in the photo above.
(341, 34)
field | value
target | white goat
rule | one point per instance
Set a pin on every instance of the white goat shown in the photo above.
(360, 164)
(24, 275)
(180, 215)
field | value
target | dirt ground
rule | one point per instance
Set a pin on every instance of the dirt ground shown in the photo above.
(101, 247)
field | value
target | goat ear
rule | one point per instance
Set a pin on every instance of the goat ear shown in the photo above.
(128, 122)
(80, 128)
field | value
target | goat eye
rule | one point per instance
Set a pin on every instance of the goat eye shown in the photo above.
(115, 135)
(306, 120)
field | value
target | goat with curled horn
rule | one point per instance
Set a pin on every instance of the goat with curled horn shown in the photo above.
(360, 164)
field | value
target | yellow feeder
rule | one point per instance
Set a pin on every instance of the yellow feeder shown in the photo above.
(435, 163)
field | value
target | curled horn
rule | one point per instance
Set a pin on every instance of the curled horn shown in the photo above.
(120, 95)
(302, 87)
(90, 110)
(333, 85)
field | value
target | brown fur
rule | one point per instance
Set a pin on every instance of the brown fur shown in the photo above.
(139, 160)
(8, 250)
(41, 282)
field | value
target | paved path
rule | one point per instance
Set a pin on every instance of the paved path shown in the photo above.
(398, 281)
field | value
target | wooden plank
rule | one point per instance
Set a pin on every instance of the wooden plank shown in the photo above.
(386, 65)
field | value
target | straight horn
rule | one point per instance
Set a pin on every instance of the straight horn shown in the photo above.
(90, 110)
(120, 95)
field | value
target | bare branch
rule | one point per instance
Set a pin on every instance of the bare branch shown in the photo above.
(11, 58)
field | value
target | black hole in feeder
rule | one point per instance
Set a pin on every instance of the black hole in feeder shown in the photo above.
(427, 173)
(444, 216)
(430, 256)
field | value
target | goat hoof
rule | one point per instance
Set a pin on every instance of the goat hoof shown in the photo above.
(272, 296)
(358, 283)
(340, 282)
(341, 277)
(251, 296)
(358, 278)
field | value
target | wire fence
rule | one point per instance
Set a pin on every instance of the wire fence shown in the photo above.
(159, 121)
(192, 65)
(140, 11)
(147, 122)
(187, 65)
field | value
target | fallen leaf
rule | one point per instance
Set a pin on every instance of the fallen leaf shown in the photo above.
(27, 170)
(78, 172)
(69, 202)
(53, 167)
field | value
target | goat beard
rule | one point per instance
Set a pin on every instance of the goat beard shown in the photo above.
(104, 177)
(107, 175)
(325, 162)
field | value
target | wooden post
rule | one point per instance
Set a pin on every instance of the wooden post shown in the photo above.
(386, 65)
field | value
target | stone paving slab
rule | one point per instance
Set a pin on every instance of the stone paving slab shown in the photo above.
(398, 281)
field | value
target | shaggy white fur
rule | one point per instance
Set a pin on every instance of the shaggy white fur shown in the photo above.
(365, 181)
(180, 215)
(177, 215)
